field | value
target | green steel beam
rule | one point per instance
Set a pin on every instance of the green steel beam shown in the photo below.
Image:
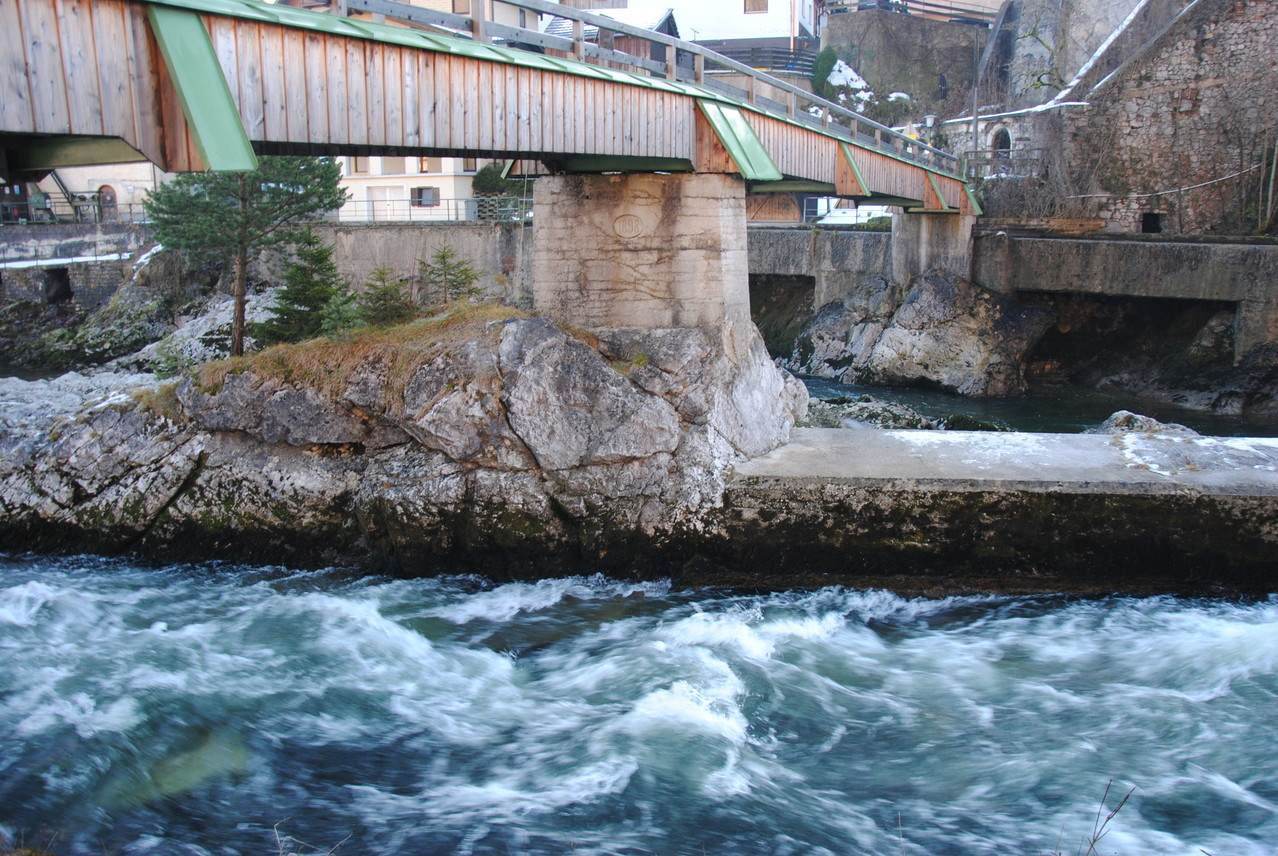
(738, 137)
(202, 91)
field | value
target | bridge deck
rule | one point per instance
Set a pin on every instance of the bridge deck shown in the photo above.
(81, 74)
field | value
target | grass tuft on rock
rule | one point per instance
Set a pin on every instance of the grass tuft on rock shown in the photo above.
(326, 363)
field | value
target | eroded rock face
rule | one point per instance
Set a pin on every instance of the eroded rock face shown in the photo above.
(526, 438)
(943, 331)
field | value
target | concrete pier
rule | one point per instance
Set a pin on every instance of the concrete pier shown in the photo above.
(932, 512)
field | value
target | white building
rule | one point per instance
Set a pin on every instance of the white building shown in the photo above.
(408, 188)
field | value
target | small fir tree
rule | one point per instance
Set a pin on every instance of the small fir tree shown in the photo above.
(340, 314)
(447, 277)
(384, 302)
(311, 283)
(234, 216)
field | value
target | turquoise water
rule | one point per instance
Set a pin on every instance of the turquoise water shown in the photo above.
(204, 709)
(1049, 409)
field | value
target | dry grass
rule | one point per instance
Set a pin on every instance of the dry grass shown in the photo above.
(161, 401)
(325, 364)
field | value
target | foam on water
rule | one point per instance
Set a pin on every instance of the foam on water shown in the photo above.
(191, 709)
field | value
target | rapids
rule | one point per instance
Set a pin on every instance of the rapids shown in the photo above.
(204, 709)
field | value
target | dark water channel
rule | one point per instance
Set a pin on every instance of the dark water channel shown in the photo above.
(197, 709)
(1057, 409)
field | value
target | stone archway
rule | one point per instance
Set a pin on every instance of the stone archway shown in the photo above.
(108, 202)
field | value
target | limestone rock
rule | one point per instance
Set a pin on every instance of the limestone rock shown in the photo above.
(1124, 422)
(573, 410)
(946, 332)
(522, 440)
(864, 412)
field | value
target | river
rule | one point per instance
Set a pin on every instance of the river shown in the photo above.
(1063, 409)
(205, 709)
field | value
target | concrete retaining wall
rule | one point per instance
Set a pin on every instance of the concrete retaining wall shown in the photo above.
(836, 260)
(1243, 274)
(500, 252)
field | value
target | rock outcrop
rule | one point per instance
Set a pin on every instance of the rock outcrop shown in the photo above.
(940, 330)
(520, 441)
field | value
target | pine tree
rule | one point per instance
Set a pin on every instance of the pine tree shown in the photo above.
(311, 283)
(449, 278)
(234, 216)
(384, 302)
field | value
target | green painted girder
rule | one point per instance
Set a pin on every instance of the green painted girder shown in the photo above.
(738, 137)
(41, 154)
(202, 90)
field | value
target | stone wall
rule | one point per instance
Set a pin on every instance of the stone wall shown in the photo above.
(1180, 131)
(91, 284)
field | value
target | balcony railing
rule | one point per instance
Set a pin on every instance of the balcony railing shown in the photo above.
(509, 209)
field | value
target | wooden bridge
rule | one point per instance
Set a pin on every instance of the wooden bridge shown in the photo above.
(206, 84)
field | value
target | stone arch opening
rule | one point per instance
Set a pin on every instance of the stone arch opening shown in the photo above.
(57, 286)
(1001, 143)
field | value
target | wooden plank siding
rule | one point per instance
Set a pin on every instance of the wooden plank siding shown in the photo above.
(92, 68)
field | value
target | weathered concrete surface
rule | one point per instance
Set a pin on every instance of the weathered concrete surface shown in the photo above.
(837, 260)
(643, 251)
(930, 511)
(925, 242)
(1241, 273)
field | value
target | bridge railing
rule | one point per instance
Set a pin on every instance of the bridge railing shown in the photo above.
(676, 60)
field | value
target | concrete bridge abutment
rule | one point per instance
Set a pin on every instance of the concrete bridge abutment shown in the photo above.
(644, 251)
(924, 242)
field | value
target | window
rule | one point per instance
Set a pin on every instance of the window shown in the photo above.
(470, 164)
(425, 197)
(756, 5)
(430, 164)
(359, 166)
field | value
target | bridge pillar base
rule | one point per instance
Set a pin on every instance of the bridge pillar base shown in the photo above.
(924, 242)
(645, 251)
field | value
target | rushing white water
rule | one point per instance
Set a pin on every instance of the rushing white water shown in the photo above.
(191, 710)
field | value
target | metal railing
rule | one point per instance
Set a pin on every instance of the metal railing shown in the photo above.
(684, 62)
(1005, 162)
(80, 208)
(509, 209)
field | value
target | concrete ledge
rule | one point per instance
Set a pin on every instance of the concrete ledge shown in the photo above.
(952, 512)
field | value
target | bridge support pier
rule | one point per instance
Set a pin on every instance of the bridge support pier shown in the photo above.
(644, 250)
(922, 242)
